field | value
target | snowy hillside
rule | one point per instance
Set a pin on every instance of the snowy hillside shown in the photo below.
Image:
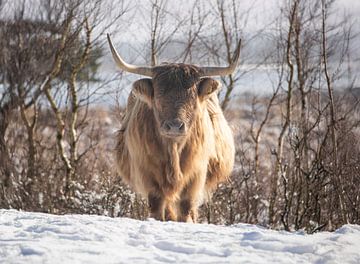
(43, 238)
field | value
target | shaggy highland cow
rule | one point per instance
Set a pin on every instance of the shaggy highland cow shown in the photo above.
(174, 145)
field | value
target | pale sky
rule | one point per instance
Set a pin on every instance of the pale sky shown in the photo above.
(262, 12)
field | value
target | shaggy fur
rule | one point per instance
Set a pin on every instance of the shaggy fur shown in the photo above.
(173, 173)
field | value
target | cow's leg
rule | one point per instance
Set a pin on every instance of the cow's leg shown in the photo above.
(170, 214)
(187, 211)
(189, 200)
(157, 206)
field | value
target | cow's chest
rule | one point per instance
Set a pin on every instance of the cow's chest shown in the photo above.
(160, 153)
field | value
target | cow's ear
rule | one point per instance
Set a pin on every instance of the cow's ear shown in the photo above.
(143, 90)
(207, 86)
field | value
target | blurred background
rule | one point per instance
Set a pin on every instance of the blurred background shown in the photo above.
(293, 103)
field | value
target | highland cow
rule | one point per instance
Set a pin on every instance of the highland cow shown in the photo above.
(174, 145)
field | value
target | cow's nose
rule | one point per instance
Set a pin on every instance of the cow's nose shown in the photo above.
(175, 126)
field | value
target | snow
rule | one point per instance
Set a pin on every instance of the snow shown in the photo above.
(27, 237)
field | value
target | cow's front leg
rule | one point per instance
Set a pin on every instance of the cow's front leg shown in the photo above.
(170, 214)
(188, 211)
(157, 206)
(190, 199)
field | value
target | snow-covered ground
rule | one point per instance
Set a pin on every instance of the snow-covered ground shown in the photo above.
(43, 238)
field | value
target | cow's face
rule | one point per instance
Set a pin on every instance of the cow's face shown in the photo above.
(176, 95)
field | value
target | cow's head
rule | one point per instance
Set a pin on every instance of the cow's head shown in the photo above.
(175, 91)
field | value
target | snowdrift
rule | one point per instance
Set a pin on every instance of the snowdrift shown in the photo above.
(43, 238)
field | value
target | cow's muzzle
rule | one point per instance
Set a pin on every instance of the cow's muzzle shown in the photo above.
(173, 128)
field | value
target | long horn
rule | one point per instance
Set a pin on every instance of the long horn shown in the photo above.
(223, 71)
(142, 70)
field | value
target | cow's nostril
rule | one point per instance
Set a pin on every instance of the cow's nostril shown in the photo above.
(181, 127)
(166, 126)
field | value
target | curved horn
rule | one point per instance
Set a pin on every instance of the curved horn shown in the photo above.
(222, 71)
(142, 70)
